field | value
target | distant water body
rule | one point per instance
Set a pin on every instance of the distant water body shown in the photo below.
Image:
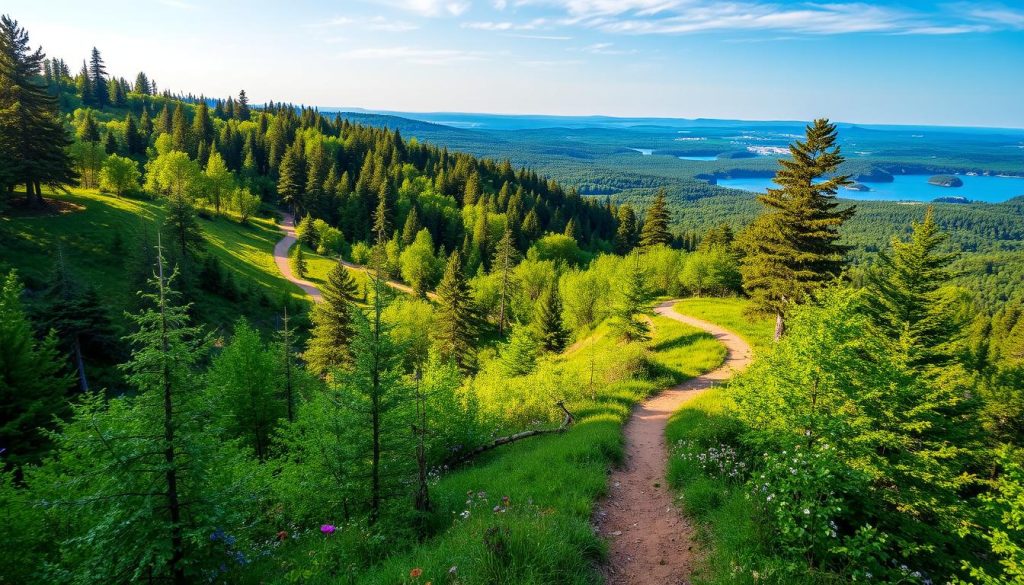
(910, 188)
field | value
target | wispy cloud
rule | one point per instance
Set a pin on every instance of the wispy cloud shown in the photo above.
(429, 7)
(376, 23)
(534, 24)
(540, 37)
(416, 55)
(680, 17)
(605, 49)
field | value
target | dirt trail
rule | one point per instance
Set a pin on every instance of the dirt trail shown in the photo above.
(283, 264)
(651, 543)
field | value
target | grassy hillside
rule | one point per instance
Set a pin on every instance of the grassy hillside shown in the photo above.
(104, 240)
(522, 513)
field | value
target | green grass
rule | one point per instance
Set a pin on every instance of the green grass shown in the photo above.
(88, 233)
(738, 551)
(728, 312)
(554, 481)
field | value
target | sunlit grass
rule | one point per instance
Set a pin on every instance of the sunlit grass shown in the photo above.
(729, 313)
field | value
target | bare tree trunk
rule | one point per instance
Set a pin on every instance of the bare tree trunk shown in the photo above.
(464, 457)
(780, 326)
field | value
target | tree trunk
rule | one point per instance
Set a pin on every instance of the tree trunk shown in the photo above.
(76, 348)
(464, 457)
(780, 326)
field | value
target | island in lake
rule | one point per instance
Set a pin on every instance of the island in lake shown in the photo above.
(952, 199)
(858, 187)
(874, 176)
(946, 181)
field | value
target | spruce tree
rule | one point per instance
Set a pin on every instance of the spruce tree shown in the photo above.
(505, 257)
(792, 248)
(202, 131)
(633, 302)
(909, 302)
(291, 182)
(180, 139)
(456, 316)
(110, 143)
(181, 224)
(299, 262)
(32, 380)
(330, 338)
(655, 230)
(625, 232)
(242, 112)
(142, 84)
(411, 228)
(547, 320)
(98, 79)
(134, 143)
(32, 137)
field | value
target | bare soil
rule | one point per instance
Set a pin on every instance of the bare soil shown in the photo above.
(650, 541)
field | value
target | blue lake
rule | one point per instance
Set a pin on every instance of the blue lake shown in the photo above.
(698, 158)
(910, 188)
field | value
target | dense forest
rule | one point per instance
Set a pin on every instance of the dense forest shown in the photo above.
(449, 409)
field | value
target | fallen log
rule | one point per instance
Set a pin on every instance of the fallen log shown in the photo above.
(461, 458)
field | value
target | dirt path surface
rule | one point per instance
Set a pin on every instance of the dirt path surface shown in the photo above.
(281, 258)
(651, 543)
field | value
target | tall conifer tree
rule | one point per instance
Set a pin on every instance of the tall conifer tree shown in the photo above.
(456, 316)
(655, 231)
(792, 248)
(328, 346)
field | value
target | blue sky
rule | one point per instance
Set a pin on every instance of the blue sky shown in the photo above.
(912, 62)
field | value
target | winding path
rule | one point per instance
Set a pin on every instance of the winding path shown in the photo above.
(285, 266)
(651, 543)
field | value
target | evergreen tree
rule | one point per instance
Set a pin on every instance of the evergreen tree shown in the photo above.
(329, 345)
(202, 131)
(180, 139)
(89, 130)
(134, 143)
(110, 143)
(32, 137)
(547, 320)
(411, 228)
(32, 383)
(531, 229)
(633, 302)
(145, 474)
(625, 233)
(792, 249)
(655, 230)
(77, 317)
(142, 84)
(456, 316)
(519, 355)
(298, 262)
(182, 225)
(242, 112)
(83, 87)
(505, 258)
(243, 382)
(291, 180)
(98, 79)
(220, 182)
(909, 301)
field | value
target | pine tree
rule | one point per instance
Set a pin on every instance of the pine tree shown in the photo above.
(547, 320)
(792, 249)
(79, 320)
(411, 228)
(180, 139)
(83, 86)
(625, 233)
(134, 143)
(142, 84)
(110, 143)
(202, 131)
(633, 302)
(330, 338)
(655, 230)
(243, 384)
(505, 258)
(242, 112)
(32, 137)
(571, 229)
(519, 355)
(98, 79)
(89, 130)
(298, 262)
(456, 316)
(531, 229)
(182, 225)
(291, 182)
(908, 302)
(32, 383)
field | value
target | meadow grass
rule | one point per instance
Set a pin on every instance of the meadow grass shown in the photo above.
(729, 313)
(738, 551)
(544, 535)
(103, 235)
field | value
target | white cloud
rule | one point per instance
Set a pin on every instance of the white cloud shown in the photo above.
(417, 55)
(430, 7)
(606, 49)
(668, 17)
